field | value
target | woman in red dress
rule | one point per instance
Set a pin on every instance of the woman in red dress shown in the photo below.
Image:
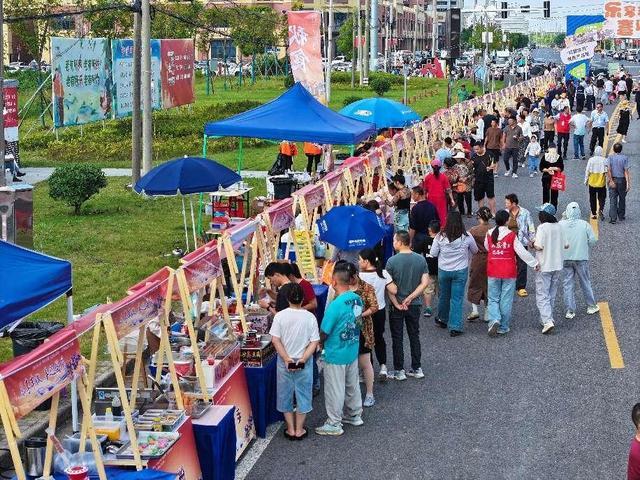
(438, 190)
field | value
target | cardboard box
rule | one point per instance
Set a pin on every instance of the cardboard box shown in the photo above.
(257, 356)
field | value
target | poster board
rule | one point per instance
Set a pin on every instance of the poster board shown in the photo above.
(304, 254)
(176, 72)
(122, 66)
(82, 85)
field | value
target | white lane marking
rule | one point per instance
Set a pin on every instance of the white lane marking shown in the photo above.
(255, 451)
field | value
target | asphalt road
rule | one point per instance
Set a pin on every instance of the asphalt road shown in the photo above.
(526, 406)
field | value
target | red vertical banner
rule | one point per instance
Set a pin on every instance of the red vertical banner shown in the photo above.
(10, 106)
(176, 72)
(305, 55)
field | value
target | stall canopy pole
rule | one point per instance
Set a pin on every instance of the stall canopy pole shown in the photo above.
(240, 155)
(74, 384)
(193, 223)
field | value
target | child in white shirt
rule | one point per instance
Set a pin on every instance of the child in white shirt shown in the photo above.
(532, 153)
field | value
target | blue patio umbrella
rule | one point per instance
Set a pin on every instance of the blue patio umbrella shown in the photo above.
(382, 112)
(185, 176)
(351, 227)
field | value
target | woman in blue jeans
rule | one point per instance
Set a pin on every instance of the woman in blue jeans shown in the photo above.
(502, 246)
(453, 247)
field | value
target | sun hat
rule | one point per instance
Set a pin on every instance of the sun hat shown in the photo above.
(547, 208)
(436, 162)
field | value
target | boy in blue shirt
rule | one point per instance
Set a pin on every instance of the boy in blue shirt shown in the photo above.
(340, 336)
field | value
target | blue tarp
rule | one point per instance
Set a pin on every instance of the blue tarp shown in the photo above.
(296, 116)
(29, 280)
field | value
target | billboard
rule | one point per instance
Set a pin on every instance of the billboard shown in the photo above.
(623, 18)
(81, 80)
(304, 52)
(176, 72)
(122, 65)
(582, 32)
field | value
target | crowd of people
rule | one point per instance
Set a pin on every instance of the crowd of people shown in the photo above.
(437, 256)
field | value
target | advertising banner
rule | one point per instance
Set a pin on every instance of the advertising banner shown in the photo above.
(623, 18)
(81, 80)
(134, 311)
(305, 55)
(10, 93)
(176, 72)
(583, 32)
(34, 377)
(203, 270)
(281, 215)
(122, 64)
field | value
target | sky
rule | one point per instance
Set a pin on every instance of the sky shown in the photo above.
(558, 7)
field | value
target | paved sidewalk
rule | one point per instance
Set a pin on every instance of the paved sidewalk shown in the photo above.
(40, 174)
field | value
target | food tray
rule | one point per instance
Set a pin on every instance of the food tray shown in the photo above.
(169, 419)
(163, 441)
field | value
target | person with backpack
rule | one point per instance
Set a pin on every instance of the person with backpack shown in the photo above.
(503, 247)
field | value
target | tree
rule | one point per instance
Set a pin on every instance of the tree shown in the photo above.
(344, 42)
(465, 36)
(558, 39)
(110, 23)
(76, 183)
(166, 25)
(254, 29)
(476, 37)
(517, 40)
(34, 34)
(380, 85)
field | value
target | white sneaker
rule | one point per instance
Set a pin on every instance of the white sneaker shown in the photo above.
(493, 327)
(417, 373)
(383, 374)
(624, 141)
(507, 173)
(356, 420)
(547, 327)
(570, 314)
(369, 401)
(531, 175)
(593, 309)
(399, 375)
(514, 175)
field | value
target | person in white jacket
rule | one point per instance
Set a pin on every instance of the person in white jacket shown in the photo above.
(549, 244)
(580, 236)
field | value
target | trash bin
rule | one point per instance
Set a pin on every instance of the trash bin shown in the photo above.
(27, 336)
(282, 187)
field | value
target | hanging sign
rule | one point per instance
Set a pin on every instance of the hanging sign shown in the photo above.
(304, 252)
(304, 52)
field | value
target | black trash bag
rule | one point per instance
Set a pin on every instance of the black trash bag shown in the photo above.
(280, 166)
(28, 335)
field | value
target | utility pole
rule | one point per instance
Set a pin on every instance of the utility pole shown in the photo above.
(366, 46)
(2, 177)
(373, 36)
(355, 49)
(434, 28)
(330, 51)
(360, 46)
(147, 107)
(136, 125)
(415, 28)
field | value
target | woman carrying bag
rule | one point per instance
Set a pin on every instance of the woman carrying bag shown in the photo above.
(552, 167)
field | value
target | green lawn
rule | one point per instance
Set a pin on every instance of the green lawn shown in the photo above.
(178, 131)
(119, 239)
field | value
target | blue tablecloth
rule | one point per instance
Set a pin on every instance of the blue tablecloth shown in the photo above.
(262, 385)
(216, 444)
(120, 474)
(321, 292)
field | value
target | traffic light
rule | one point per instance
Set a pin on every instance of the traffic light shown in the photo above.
(503, 12)
(453, 32)
(547, 8)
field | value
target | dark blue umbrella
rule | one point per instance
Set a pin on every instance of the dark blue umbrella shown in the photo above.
(351, 227)
(186, 175)
(382, 112)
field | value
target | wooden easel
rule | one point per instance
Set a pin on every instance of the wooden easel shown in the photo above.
(154, 301)
(69, 343)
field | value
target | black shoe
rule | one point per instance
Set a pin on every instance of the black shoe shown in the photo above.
(601, 215)
(455, 333)
(440, 323)
(612, 221)
(621, 218)
(16, 179)
(20, 174)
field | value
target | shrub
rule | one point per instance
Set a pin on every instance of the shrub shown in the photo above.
(380, 85)
(350, 99)
(289, 81)
(76, 183)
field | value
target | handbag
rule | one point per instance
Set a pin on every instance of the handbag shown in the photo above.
(559, 181)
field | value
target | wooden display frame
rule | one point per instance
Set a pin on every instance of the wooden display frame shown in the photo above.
(57, 357)
(140, 308)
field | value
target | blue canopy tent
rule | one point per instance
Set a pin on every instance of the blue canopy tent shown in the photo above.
(296, 116)
(30, 281)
